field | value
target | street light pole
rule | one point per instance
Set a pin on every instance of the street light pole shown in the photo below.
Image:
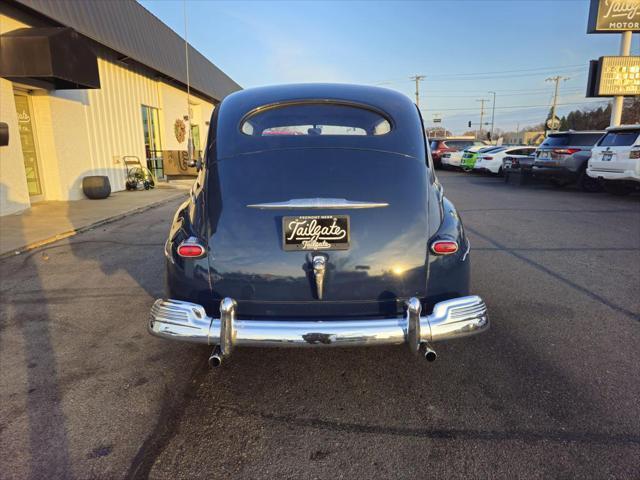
(618, 102)
(493, 113)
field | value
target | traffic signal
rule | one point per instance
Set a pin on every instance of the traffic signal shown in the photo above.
(469, 123)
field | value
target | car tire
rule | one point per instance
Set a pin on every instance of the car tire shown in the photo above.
(588, 184)
(96, 187)
(500, 172)
(617, 189)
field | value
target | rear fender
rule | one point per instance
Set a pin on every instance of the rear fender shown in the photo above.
(188, 278)
(448, 275)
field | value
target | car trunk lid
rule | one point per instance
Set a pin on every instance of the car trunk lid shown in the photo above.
(379, 196)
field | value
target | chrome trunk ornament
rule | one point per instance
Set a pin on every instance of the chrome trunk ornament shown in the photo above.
(317, 203)
(319, 264)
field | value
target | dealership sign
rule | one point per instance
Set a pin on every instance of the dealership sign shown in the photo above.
(610, 16)
(614, 76)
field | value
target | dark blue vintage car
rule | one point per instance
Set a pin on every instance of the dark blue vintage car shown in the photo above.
(316, 220)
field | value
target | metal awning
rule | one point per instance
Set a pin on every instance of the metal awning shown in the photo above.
(59, 56)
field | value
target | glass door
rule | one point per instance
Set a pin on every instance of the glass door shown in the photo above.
(152, 144)
(195, 137)
(28, 142)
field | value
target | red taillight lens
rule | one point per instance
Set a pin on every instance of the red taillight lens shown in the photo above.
(487, 158)
(634, 154)
(444, 247)
(190, 250)
(566, 151)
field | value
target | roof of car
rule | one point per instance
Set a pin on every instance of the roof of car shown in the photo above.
(406, 135)
(383, 98)
(624, 127)
(573, 132)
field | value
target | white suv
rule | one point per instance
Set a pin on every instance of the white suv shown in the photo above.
(615, 159)
(492, 161)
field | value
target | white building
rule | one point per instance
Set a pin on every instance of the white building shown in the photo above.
(85, 84)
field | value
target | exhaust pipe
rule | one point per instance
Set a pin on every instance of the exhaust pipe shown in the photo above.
(429, 353)
(215, 360)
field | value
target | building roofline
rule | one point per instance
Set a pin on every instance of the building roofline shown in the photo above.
(129, 29)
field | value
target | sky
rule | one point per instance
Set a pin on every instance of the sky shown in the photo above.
(465, 49)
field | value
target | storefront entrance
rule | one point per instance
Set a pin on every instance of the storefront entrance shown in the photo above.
(152, 142)
(29, 146)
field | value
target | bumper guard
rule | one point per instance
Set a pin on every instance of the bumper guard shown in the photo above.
(185, 321)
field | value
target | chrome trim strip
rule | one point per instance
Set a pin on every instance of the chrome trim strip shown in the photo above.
(177, 320)
(317, 203)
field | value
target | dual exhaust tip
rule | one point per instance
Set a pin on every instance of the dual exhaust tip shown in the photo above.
(215, 359)
(429, 353)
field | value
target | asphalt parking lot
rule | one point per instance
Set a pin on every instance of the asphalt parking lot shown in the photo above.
(551, 391)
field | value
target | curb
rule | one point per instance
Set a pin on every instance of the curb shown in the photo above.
(91, 226)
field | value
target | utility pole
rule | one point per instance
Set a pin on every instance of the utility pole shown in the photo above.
(493, 113)
(418, 78)
(618, 102)
(557, 80)
(482, 101)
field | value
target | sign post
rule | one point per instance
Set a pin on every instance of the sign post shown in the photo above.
(616, 107)
(615, 16)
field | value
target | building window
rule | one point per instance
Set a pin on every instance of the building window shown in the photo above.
(152, 141)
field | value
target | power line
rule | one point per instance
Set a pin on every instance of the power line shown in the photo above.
(541, 93)
(473, 74)
(564, 67)
(518, 106)
(494, 77)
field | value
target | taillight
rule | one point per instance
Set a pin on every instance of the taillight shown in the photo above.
(191, 248)
(634, 154)
(487, 158)
(444, 247)
(566, 151)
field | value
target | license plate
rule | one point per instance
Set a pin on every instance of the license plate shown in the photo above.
(544, 155)
(315, 232)
(607, 156)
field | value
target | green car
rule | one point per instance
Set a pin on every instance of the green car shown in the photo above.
(469, 156)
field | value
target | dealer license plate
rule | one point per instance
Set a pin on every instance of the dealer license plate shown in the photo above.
(316, 232)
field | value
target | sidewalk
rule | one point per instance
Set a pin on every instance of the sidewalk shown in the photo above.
(50, 221)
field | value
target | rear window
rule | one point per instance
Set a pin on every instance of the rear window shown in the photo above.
(572, 139)
(459, 144)
(315, 119)
(434, 144)
(490, 149)
(622, 138)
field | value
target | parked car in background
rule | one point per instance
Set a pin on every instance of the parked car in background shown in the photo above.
(492, 161)
(615, 160)
(342, 257)
(453, 159)
(562, 158)
(469, 156)
(440, 146)
(517, 168)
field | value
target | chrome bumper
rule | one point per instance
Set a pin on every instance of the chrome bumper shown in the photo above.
(178, 320)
